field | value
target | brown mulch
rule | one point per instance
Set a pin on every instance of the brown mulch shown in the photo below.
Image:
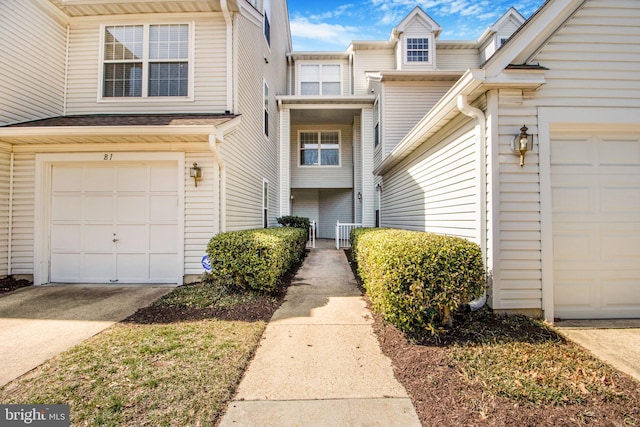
(442, 398)
(8, 284)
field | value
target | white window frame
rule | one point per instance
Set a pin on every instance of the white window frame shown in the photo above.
(319, 132)
(266, 22)
(265, 202)
(145, 65)
(320, 78)
(430, 50)
(377, 131)
(265, 106)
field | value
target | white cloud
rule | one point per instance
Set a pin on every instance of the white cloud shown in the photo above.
(321, 35)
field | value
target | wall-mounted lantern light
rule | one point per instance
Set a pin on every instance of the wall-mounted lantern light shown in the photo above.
(196, 173)
(379, 188)
(359, 195)
(522, 143)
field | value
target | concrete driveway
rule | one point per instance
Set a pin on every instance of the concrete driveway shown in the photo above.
(616, 342)
(38, 322)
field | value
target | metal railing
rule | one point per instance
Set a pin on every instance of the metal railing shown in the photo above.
(312, 235)
(343, 230)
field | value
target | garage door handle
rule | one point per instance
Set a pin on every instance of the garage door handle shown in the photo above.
(114, 238)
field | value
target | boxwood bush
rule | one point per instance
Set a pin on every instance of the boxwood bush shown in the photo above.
(415, 280)
(255, 259)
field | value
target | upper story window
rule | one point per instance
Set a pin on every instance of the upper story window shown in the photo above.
(417, 49)
(267, 21)
(146, 61)
(265, 102)
(319, 148)
(320, 79)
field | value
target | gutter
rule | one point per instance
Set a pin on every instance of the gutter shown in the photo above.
(481, 191)
(229, 47)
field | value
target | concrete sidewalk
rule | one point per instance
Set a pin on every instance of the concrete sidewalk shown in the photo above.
(319, 363)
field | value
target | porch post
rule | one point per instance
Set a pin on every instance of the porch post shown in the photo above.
(285, 154)
(368, 207)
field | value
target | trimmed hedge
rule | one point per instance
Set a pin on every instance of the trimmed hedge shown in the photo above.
(294, 221)
(255, 259)
(415, 279)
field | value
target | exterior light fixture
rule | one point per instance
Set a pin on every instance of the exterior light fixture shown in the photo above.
(522, 143)
(359, 195)
(196, 173)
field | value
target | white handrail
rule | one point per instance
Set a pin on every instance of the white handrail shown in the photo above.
(312, 235)
(343, 231)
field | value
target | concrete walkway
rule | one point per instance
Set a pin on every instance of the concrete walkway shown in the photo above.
(39, 322)
(319, 363)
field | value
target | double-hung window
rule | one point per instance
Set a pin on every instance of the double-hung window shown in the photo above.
(265, 101)
(417, 49)
(319, 148)
(146, 61)
(320, 79)
(267, 21)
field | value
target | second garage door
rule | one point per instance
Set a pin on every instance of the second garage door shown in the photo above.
(114, 224)
(596, 225)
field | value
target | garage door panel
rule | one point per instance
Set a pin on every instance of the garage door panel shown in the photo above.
(132, 208)
(132, 267)
(110, 219)
(163, 208)
(66, 208)
(164, 178)
(97, 207)
(596, 227)
(98, 178)
(161, 267)
(133, 238)
(66, 237)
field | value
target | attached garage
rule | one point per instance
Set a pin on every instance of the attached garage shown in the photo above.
(115, 221)
(595, 190)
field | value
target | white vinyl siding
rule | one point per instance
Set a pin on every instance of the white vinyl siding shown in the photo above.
(29, 90)
(594, 59)
(209, 71)
(322, 177)
(404, 104)
(435, 188)
(335, 205)
(458, 59)
(201, 214)
(23, 214)
(370, 61)
(5, 165)
(417, 30)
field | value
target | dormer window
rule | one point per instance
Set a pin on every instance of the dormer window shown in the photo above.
(417, 49)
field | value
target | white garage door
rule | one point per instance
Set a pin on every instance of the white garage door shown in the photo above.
(115, 224)
(596, 225)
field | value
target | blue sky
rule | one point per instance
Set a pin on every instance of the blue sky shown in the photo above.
(331, 25)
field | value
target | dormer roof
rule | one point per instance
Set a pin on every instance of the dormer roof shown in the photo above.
(419, 14)
(511, 15)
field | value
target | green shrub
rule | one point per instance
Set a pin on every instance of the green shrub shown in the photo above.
(416, 279)
(255, 259)
(294, 221)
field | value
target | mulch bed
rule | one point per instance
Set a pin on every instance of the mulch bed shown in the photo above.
(442, 398)
(9, 284)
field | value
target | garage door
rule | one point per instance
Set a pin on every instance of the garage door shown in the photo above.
(596, 225)
(115, 224)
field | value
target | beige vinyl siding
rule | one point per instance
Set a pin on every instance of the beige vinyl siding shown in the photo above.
(33, 62)
(248, 154)
(201, 205)
(457, 59)
(209, 73)
(519, 254)
(5, 165)
(370, 61)
(23, 214)
(306, 203)
(417, 29)
(335, 205)
(319, 176)
(357, 165)
(594, 59)
(434, 189)
(404, 104)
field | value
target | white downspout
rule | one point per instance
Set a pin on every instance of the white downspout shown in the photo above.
(10, 234)
(229, 47)
(222, 199)
(481, 201)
